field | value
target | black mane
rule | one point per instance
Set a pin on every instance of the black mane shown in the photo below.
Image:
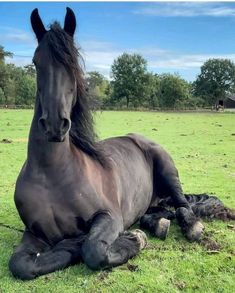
(63, 50)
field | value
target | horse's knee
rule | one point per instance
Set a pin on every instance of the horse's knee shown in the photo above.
(95, 254)
(22, 266)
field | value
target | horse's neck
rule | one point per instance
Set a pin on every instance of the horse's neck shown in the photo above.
(44, 153)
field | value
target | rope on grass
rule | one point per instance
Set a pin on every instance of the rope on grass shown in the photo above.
(11, 228)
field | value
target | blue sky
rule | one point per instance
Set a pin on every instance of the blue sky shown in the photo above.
(172, 37)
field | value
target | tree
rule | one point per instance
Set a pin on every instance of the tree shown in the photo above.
(4, 54)
(10, 92)
(216, 80)
(129, 79)
(30, 70)
(6, 83)
(174, 91)
(17, 84)
(10, 81)
(25, 91)
(97, 87)
(94, 78)
(2, 97)
(4, 75)
(152, 88)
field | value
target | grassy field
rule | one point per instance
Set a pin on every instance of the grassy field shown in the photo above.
(203, 147)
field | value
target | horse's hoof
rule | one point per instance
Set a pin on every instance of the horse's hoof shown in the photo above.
(195, 232)
(141, 238)
(162, 228)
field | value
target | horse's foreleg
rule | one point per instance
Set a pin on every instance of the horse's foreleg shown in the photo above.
(108, 246)
(34, 257)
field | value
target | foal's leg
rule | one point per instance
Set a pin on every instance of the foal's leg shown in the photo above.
(107, 246)
(34, 257)
(168, 184)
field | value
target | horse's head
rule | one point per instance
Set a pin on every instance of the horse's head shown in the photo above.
(57, 68)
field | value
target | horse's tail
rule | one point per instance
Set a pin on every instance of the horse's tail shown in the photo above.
(206, 206)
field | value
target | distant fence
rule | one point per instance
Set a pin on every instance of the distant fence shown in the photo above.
(202, 109)
(16, 106)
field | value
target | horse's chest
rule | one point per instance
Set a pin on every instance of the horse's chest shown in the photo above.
(54, 211)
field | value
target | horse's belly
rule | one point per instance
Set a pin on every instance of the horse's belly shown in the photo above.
(134, 177)
(136, 201)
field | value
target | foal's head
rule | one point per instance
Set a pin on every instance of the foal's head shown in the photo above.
(58, 75)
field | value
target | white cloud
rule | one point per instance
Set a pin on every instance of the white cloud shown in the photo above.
(186, 9)
(101, 56)
(186, 61)
(15, 35)
(19, 61)
(97, 45)
(23, 43)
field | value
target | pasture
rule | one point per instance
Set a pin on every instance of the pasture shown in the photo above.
(203, 148)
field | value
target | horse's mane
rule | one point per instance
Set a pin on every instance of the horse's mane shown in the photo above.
(64, 51)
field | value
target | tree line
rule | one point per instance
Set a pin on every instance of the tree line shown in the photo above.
(131, 85)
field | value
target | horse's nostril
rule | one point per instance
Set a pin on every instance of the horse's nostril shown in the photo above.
(42, 124)
(65, 124)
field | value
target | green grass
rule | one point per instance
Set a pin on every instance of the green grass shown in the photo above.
(203, 147)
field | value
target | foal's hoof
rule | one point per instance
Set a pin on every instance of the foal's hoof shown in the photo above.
(162, 228)
(195, 232)
(141, 238)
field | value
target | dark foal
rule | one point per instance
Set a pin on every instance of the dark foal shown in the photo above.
(78, 197)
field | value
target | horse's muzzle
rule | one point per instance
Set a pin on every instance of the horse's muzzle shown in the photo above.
(53, 138)
(55, 132)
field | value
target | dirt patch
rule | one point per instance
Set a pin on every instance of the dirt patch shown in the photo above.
(132, 268)
(210, 244)
(179, 284)
(103, 275)
(5, 140)
(129, 267)
(231, 227)
(151, 246)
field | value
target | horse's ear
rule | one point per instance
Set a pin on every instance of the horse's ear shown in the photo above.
(70, 22)
(37, 25)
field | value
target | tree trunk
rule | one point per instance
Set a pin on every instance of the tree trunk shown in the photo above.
(127, 102)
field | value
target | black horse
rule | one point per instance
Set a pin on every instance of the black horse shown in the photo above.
(77, 197)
